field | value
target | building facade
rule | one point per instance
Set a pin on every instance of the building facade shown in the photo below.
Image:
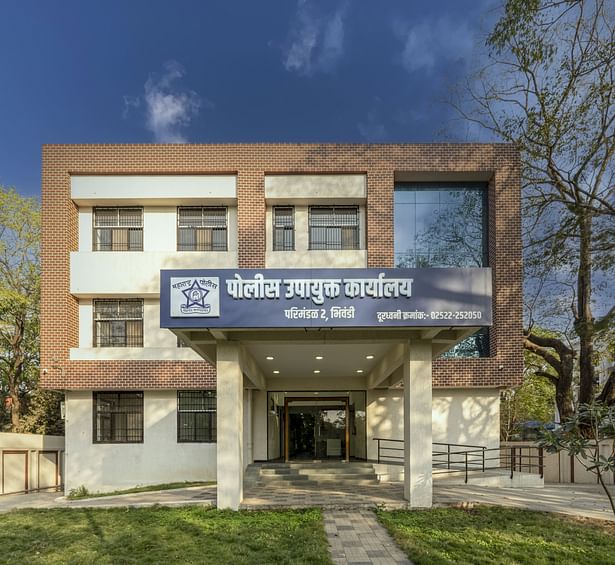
(152, 399)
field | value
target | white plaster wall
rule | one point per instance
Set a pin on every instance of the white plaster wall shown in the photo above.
(158, 343)
(312, 187)
(463, 416)
(135, 273)
(259, 424)
(468, 417)
(141, 188)
(302, 256)
(159, 459)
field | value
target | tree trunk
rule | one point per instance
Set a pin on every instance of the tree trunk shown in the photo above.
(584, 319)
(15, 409)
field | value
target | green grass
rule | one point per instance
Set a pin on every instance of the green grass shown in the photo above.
(161, 535)
(82, 492)
(499, 535)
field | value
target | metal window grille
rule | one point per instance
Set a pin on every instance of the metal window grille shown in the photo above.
(283, 228)
(334, 227)
(118, 229)
(118, 417)
(201, 228)
(118, 323)
(196, 416)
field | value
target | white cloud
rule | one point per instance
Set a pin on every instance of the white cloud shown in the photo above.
(168, 106)
(427, 43)
(316, 42)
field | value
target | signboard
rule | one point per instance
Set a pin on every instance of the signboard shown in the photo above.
(327, 298)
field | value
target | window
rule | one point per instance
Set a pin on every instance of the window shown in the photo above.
(201, 228)
(476, 345)
(334, 227)
(196, 416)
(118, 417)
(118, 229)
(441, 225)
(118, 323)
(283, 228)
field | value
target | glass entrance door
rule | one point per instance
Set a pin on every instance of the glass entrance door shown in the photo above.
(316, 429)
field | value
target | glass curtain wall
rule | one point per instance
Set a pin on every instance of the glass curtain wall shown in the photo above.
(444, 225)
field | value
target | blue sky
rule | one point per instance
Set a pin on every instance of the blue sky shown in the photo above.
(140, 71)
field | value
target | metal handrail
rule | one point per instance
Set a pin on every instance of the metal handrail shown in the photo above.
(477, 458)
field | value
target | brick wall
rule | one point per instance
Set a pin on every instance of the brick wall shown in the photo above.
(251, 162)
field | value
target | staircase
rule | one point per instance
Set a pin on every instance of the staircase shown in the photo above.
(311, 474)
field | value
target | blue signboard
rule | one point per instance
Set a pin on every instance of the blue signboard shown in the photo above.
(324, 298)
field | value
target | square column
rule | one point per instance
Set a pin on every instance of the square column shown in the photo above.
(230, 426)
(417, 424)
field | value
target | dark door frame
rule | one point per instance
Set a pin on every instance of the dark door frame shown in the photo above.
(341, 399)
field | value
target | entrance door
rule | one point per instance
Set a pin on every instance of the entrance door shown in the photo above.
(316, 429)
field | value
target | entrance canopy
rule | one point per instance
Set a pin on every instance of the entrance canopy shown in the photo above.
(352, 321)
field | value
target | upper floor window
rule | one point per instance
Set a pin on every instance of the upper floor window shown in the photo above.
(118, 229)
(475, 345)
(118, 323)
(118, 417)
(441, 225)
(334, 227)
(201, 228)
(283, 228)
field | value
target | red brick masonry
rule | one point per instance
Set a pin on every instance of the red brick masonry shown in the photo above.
(251, 162)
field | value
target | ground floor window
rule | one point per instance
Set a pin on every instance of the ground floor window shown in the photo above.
(118, 417)
(196, 416)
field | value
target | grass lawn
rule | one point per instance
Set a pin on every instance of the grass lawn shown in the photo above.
(499, 535)
(161, 535)
(81, 492)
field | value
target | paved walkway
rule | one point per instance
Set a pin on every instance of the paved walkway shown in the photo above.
(357, 537)
(205, 495)
(277, 494)
(577, 500)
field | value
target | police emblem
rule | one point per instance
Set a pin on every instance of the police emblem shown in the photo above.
(199, 297)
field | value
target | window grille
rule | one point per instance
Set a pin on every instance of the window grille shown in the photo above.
(118, 229)
(118, 417)
(201, 228)
(118, 323)
(334, 227)
(283, 228)
(196, 416)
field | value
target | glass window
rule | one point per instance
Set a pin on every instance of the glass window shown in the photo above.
(118, 229)
(334, 227)
(118, 323)
(283, 228)
(118, 417)
(476, 345)
(201, 228)
(196, 416)
(441, 225)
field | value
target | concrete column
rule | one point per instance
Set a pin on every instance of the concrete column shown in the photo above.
(417, 424)
(230, 426)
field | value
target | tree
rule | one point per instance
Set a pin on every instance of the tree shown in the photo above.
(19, 298)
(42, 413)
(549, 88)
(532, 401)
(581, 436)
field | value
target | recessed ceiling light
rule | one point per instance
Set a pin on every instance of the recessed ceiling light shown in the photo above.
(269, 358)
(319, 357)
(316, 371)
(369, 357)
(276, 372)
(359, 370)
